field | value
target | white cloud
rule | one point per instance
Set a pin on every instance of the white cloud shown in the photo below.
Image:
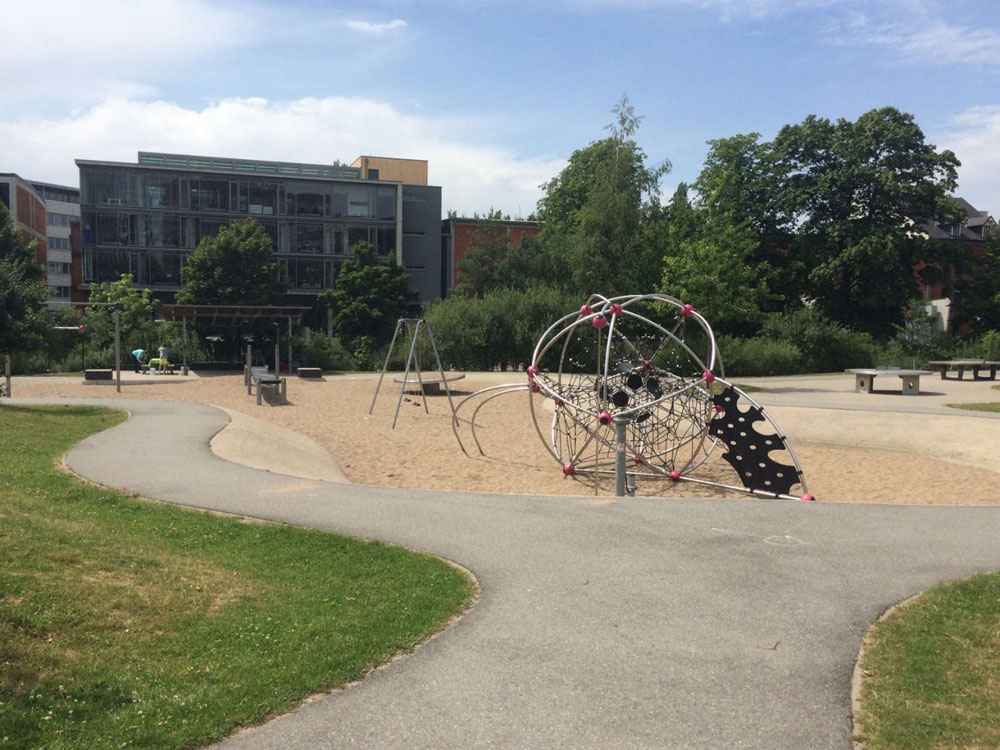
(726, 9)
(975, 139)
(474, 176)
(934, 42)
(368, 27)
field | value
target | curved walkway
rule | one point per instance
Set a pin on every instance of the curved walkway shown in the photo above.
(645, 623)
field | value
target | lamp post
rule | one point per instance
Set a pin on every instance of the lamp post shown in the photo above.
(118, 348)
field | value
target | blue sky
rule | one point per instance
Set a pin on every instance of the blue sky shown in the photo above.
(495, 95)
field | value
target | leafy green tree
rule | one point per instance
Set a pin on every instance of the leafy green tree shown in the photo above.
(595, 212)
(853, 187)
(235, 267)
(976, 284)
(22, 290)
(713, 271)
(135, 316)
(372, 294)
(489, 246)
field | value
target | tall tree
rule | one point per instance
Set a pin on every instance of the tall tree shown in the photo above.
(594, 213)
(22, 290)
(853, 187)
(235, 267)
(372, 294)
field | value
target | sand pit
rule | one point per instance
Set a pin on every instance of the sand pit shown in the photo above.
(422, 452)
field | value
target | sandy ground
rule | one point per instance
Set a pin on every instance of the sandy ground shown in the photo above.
(422, 452)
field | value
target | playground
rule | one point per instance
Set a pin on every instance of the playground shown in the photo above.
(879, 448)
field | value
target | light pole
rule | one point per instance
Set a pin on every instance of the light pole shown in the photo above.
(118, 348)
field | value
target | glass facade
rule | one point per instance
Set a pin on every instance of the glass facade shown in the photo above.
(145, 221)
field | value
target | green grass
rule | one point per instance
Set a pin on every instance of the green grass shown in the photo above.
(933, 671)
(993, 406)
(127, 623)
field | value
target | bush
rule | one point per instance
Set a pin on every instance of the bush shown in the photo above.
(759, 356)
(826, 346)
(319, 350)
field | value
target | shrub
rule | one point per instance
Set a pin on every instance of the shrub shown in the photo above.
(319, 350)
(826, 346)
(759, 356)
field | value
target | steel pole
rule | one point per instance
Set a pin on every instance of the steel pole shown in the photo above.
(289, 347)
(184, 346)
(118, 352)
(621, 435)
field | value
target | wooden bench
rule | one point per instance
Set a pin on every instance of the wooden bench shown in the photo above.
(431, 385)
(944, 365)
(311, 373)
(260, 377)
(864, 379)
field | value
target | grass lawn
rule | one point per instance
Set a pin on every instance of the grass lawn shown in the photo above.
(993, 406)
(932, 671)
(127, 623)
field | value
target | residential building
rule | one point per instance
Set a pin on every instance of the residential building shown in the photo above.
(977, 227)
(62, 210)
(27, 211)
(145, 218)
(457, 234)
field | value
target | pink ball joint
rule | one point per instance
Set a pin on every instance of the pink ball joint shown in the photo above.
(600, 322)
(559, 402)
(585, 310)
(807, 498)
(535, 388)
(720, 408)
(616, 309)
(569, 470)
(638, 459)
(675, 475)
(604, 418)
(647, 365)
(532, 371)
(687, 311)
(709, 376)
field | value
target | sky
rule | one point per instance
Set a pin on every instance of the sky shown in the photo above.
(495, 94)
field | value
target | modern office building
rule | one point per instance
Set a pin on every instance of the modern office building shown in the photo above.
(62, 211)
(145, 218)
(27, 211)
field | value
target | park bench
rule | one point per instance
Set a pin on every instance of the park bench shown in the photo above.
(864, 379)
(98, 374)
(313, 373)
(260, 377)
(431, 385)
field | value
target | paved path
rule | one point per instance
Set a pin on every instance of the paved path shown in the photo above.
(646, 623)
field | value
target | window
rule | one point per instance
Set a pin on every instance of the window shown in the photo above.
(162, 269)
(57, 267)
(308, 238)
(58, 292)
(358, 200)
(57, 243)
(385, 203)
(309, 274)
(107, 187)
(210, 195)
(354, 236)
(53, 219)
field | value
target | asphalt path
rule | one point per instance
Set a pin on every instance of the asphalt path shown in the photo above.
(641, 623)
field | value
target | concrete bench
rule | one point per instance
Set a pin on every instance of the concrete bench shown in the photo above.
(431, 385)
(864, 379)
(311, 373)
(98, 374)
(944, 365)
(260, 377)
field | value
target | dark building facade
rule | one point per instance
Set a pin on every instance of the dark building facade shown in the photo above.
(145, 218)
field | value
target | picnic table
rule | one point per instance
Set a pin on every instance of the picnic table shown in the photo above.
(864, 379)
(976, 365)
(260, 377)
(431, 385)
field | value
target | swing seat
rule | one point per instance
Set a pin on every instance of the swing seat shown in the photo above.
(432, 384)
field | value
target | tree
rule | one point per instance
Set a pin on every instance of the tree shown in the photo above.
(235, 267)
(595, 212)
(372, 294)
(22, 290)
(853, 187)
(489, 246)
(135, 313)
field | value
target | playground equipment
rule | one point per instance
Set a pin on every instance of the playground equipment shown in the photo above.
(411, 328)
(634, 386)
